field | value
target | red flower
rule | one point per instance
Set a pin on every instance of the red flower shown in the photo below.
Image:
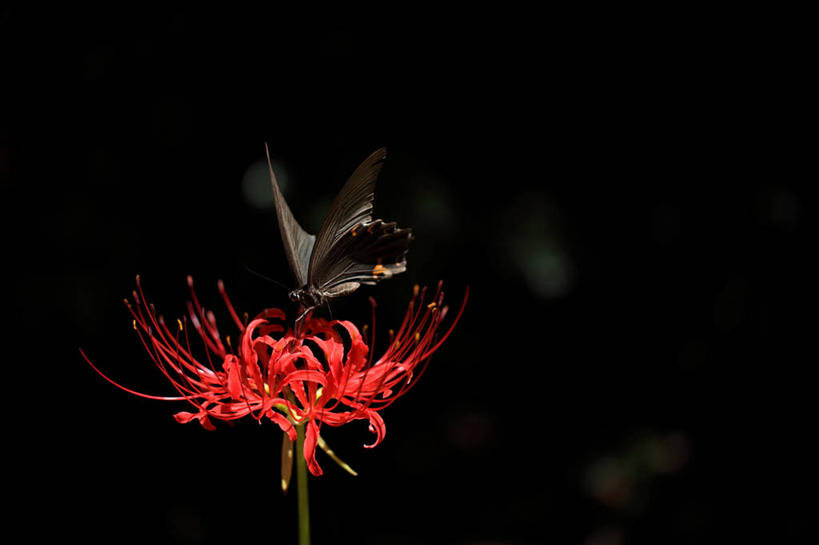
(325, 374)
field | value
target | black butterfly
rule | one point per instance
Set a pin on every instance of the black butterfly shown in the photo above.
(351, 248)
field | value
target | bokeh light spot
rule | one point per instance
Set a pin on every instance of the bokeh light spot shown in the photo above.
(532, 240)
(608, 535)
(471, 431)
(547, 271)
(608, 482)
(432, 211)
(256, 188)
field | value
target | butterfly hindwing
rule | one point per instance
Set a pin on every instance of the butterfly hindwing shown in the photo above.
(366, 254)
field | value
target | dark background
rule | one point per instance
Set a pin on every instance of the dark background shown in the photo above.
(620, 190)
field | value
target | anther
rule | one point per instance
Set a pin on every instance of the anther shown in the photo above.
(415, 289)
(432, 305)
(135, 327)
(178, 321)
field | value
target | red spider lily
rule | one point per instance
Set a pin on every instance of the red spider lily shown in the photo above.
(348, 385)
(324, 373)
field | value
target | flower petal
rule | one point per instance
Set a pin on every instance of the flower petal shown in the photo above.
(358, 348)
(377, 426)
(310, 441)
(183, 417)
(285, 424)
(233, 366)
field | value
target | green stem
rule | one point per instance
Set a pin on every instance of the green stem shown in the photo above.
(301, 491)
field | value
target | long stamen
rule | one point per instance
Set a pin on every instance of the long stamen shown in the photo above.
(372, 338)
(280, 376)
(451, 327)
(221, 286)
(215, 346)
(211, 328)
(134, 392)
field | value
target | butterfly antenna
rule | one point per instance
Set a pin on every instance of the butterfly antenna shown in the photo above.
(260, 275)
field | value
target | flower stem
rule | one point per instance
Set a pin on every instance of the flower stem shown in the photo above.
(301, 491)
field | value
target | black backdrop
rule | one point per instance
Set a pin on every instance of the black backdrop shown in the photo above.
(618, 190)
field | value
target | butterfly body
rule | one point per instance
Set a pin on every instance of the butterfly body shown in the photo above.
(306, 296)
(350, 249)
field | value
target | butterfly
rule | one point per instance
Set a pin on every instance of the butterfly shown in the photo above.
(350, 249)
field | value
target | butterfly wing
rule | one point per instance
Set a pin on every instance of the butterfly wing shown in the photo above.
(366, 254)
(351, 248)
(298, 243)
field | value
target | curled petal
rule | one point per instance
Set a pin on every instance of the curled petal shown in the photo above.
(234, 376)
(358, 349)
(377, 426)
(245, 347)
(333, 350)
(285, 424)
(183, 417)
(305, 376)
(310, 442)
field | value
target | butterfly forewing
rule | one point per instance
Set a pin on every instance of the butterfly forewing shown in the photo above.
(298, 244)
(352, 206)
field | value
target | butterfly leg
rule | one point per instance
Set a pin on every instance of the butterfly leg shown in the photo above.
(327, 302)
(303, 313)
